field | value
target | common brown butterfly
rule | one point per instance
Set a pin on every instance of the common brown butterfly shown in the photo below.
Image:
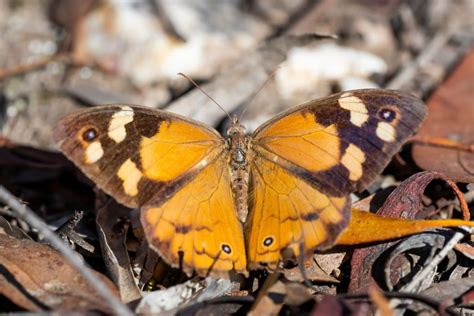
(241, 202)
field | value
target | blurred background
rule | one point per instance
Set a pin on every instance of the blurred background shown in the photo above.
(61, 55)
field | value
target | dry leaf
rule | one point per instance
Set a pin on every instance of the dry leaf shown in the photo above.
(183, 295)
(112, 230)
(37, 278)
(280, 292)
(451, 113)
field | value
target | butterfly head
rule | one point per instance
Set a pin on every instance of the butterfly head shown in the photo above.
(235, 128)
(238, 141)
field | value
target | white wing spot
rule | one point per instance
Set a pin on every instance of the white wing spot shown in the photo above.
(353, 159)
(93, 152)
(130, 175)
(385, 132)
(359, 113)
(119, 119)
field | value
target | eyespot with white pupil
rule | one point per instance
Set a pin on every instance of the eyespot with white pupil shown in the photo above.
(89, 135)
(387, 115)
(226, 248)
(268, 241)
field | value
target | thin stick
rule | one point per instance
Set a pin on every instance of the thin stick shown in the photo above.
(442, 142)
(205, 93)
(23, 68)
(31, 218)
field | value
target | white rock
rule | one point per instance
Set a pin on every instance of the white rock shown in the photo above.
(308, 67)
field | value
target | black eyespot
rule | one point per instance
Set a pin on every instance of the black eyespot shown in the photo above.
(89, 135)
(226, 248)
(387, 115)
(268, 241)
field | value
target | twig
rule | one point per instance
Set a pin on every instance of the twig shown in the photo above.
(31, 218)
(23, 68)
(442, 142)
(428, 269)
(67, 232)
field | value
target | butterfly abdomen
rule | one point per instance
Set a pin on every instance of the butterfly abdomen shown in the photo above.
(239, 167)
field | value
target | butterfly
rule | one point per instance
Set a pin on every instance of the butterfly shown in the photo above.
(239, 202)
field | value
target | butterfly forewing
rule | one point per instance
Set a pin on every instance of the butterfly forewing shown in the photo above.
(134, 153)
(341, 142)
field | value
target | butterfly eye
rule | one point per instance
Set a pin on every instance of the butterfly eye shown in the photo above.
(89, 135)
(387, 115)
(268, 241)
(226, 248)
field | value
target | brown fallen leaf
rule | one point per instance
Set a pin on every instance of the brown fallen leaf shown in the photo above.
(37, 278)
(451, 116)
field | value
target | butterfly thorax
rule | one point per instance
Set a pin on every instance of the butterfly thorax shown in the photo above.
(239, 166)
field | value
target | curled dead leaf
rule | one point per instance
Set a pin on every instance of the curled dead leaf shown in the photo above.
(112, 232)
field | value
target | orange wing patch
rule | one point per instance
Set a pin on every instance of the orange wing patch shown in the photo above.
(175, 148)
(287, 213)
(199, 223)
(301, 140)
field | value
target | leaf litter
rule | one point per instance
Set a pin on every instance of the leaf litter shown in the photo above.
(397, 256)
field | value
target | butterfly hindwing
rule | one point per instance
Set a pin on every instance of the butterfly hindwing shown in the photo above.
(198, 226)
(289, 215)
(321, 151)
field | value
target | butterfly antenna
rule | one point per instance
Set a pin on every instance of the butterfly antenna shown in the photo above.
(252, 98)
(205, 93)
